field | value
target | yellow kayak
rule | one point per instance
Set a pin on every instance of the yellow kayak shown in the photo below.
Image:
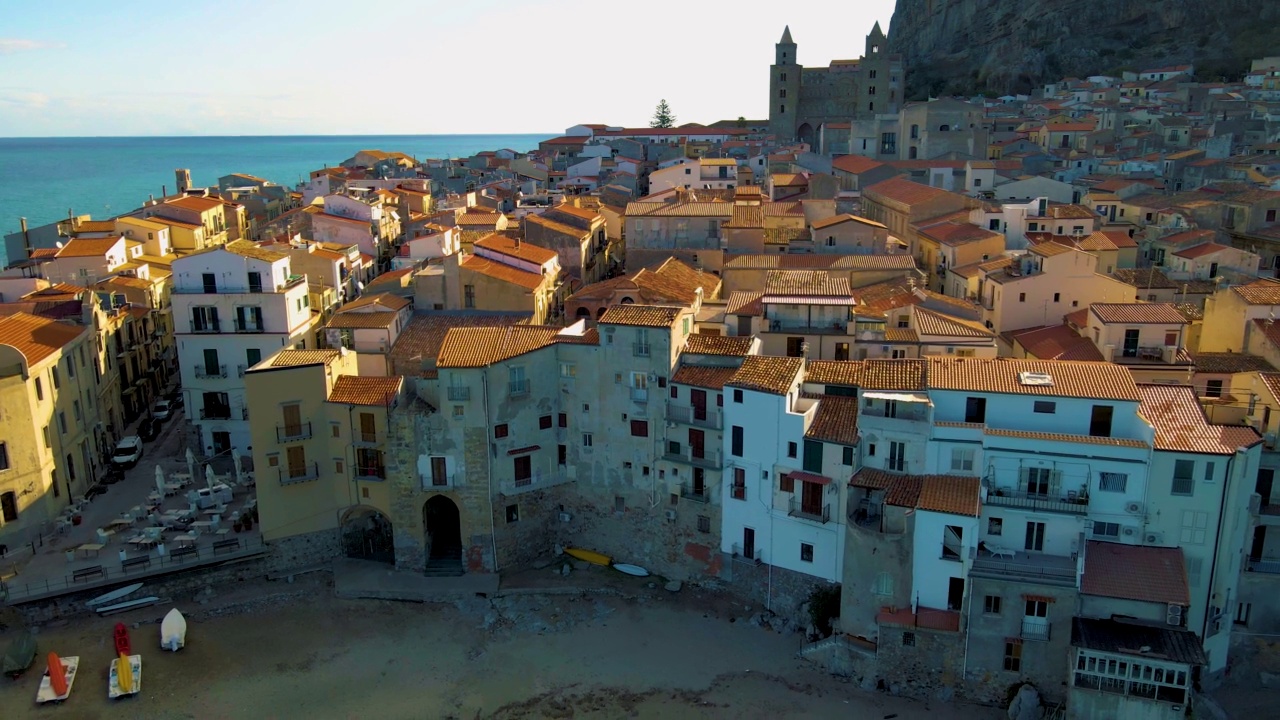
(124, 674)
(590, 556)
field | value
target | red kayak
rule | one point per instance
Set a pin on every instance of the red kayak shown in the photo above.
(122, 640)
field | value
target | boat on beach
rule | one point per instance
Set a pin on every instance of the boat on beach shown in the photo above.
(590, 556)
(59, 676)
(116, 594)
(633, 570)
(121, 637)
(20, 655)
(173, 631)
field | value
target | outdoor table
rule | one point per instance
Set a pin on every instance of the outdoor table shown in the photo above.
(181, 478)
(171, 489)
(214, 511)
(90, 548)
(144, 542)
(202, 524)
(119, 522)
(185, 539)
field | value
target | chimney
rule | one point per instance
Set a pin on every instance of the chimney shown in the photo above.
(26, 238)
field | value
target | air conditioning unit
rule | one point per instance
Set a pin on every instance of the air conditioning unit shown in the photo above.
(671, 423)
(1129, 531)
(653, 377)
(1153, 538)
(671, 515)
(1269, 440)
(1174, 616)
(565, 517)
(1133, 508)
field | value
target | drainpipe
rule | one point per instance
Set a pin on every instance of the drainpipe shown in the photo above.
(1213, 566)
(488, 460)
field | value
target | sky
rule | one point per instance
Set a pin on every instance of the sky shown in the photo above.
(283, 67)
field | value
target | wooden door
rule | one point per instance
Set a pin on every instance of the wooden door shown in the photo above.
(292, 420)
(439, 471)
(697, 443)
(699, 400)
(368, 428)
(811, 498)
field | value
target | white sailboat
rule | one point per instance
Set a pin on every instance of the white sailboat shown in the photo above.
(173, 631)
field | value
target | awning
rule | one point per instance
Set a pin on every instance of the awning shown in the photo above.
(1039, 598)
(523, 450)
(808, 300)
(810, 477)
(900, 397)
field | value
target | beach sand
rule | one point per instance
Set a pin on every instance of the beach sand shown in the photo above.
(277, 650)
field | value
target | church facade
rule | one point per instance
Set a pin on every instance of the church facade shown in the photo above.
(817, 104)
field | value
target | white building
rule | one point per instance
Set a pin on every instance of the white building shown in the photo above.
(696, 174)
(233, 306)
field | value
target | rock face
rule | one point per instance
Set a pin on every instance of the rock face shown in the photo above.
(1007, 46)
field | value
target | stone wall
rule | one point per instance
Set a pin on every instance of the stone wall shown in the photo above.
(785, 592)
(917, 662)
(300, 551)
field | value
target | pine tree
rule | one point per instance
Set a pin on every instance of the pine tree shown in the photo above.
(662, 116)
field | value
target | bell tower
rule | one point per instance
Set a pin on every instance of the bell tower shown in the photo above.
(784, 89)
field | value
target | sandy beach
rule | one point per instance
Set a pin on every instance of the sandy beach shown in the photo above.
(278, 650)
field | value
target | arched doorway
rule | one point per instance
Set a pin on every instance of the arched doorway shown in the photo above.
(442, 529)
(582, 314)
(805, 134)
(367, 535)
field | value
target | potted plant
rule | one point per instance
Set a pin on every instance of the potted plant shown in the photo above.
(238, 526)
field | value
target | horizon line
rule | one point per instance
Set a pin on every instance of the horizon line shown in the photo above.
(331, 135)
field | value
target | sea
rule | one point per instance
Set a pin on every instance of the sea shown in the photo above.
(42, 178)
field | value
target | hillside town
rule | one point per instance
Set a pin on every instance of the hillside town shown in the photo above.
(830, 353)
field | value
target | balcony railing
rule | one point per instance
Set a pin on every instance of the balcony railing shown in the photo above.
(290, 433)
(639, 395)
(433, 480)
(1032, 630)
(519, 388)
(907, 413)
(710, 458)
(211, 371)
(459, 393)
(815, 513)
(1269, 567)
(1027, 567)
(640, 349)
(205, 326)
(738, 492)
(698, 494)
(711, 417)
(299, 473)
(840, 327)
(243, 326)
(371, 472)
(215, 412)
(1033, 501)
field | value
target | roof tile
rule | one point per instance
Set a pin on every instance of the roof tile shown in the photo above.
(836, 421)
(1181, 425)
(764, 373)
(1135, 572)
(365, 390)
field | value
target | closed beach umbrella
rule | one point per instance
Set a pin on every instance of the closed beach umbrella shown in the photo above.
(208, 475)
(239, 468)
(191, 463)
(159, 480)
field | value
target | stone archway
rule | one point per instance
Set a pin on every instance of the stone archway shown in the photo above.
(805, 134)
(367, 535)
(442, 529)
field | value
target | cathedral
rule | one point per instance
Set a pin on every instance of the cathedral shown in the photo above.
(816, 105)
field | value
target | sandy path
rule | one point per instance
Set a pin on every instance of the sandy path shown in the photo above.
(313, 656)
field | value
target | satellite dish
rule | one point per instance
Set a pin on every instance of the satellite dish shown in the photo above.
(59, 244)
(359, 286)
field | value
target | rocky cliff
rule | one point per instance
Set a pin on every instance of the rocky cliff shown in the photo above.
(1004, 46)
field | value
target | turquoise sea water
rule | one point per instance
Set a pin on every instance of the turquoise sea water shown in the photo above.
(41, 178)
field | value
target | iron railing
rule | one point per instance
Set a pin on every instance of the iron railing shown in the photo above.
(306, 472)
(799, 509)
(287, 433)
(211, 371)
(688, 491)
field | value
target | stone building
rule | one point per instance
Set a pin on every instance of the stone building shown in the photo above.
(804, 101)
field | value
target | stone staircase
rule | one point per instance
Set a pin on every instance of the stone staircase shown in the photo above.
(445, 562)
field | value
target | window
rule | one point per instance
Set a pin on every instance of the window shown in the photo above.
(62, 422)
(738, 491)
(39, 389)
(1183, 482)
(513, 513)
(568, 370)
(704, 524)
(75, 408)
(735, 442)
(1100, 421)
(57, 381)
(1106, 529)
(791, 449)
(962, 459)
(517, 382)
(523, 469)
(562, 420)
(499, 431)
(9, 507)
(994, 224)
(210, 283)
(1047, 407)
(908, 639)
(897, 460)
(1013, 655)
(48, 441)
(1112, 482)
(1022, 297)
(586, 440)
(544, 422)
(975, 410)
(252, 356)
(991, 605)
(737, 395)
(71, 367)
(846, 458)
(1208, 472)
(883, 584)
(1213, 389)
(995, 526)
(468, 296)
(786, 483)
(806, 552)
(4, 455)
(639, 428)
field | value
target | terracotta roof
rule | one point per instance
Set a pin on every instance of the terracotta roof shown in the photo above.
(500, 271)
(1229, 362)
(57, 291)
(744, 302)
(380, 300)
(87, 247)
(1046, 247)
(1056, 342)
(419, 342)
(927, 322)
(365, 390)
(836, 421)
(957, 233)
(951, 494)
(517, 249)
(815, 283)
(1196, 251)
(1262, 291)
(295, 358)
(746, 216)
(471, 218)
(1138, 313)
(766, 373)
(818, 261)
(834, 372)
(244, 248)
(1064, 437)
(1135, 572)
(901, 335)
(900, 490)
(469, 347)
(1145, 278)
(1139, 639)
(713, 378)
(844, 218)
(894, 374)
(699, 344)
(175, 223)
(1180, 424)
(198, 204)
(855, 164)
(36, 337)
(1106, 240)
(641, 315)
(361, 320)
(1100, 381)
(678, 209)
(902, 190)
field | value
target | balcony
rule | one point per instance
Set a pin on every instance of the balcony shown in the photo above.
(205, 327)
(804, 511)
(738, 492)
(518, 388)
(206, 372)
(299, 473)
(215, 412)
(687, 415)
(1270, 566)
(243, 326)
(1070, 504)
(833, 327)
(1035, 630)
(363, 438)
(1026, 567)
(700, 494)
(640, 349)
(459, 393)
(639, 394)
(709, 459)
(905, 411)
(293, 433)
(435, 480)
(371, 472)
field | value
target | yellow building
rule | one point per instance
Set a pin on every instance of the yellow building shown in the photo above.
(319, 437)
(503, 274)
(48, 395)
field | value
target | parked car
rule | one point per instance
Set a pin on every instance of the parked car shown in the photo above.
(149, 429)
(162, 410)
(175, 399)
(128, 451)
(113, 475)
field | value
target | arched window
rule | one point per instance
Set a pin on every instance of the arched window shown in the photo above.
(915, 132)
(782, 109)
(911, 153)
(944, 127)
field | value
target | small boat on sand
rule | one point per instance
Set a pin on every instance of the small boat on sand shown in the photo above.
(173, 631)
(116, 594)
(58, 678)
(590, 556)
(634, 570)
(126, 676)
(121, 636)
(20, 655)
